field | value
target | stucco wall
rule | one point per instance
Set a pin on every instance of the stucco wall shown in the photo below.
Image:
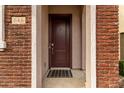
(38, 49)
(42, 43)
(44, 39)
(76, 30)
(84, 37)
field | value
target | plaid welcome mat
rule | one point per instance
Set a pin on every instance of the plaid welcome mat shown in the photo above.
(60, 73)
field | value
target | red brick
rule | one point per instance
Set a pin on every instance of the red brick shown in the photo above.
(107, 39)
(15, 61)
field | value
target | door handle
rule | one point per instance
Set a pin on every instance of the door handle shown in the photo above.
(52, 44)
(51, 47)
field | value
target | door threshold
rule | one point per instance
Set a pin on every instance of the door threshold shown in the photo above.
(67, 68)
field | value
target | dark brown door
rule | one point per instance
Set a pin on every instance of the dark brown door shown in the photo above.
(60, 40)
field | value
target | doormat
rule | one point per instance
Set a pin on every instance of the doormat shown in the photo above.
(60, 74)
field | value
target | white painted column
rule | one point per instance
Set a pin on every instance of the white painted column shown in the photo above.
(36, 47)
(2, 31)
(34, 55)
(91, 46)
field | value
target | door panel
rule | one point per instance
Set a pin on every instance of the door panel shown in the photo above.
(59, 42)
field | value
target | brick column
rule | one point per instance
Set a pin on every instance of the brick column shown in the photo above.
(107, 54)
(15, 60)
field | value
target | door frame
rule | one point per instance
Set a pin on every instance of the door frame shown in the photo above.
(70, 35)
(90, 64)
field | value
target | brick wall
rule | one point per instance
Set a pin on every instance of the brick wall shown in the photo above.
(107, 46)
(15, 61)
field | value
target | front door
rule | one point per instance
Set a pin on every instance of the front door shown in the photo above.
(59, 40)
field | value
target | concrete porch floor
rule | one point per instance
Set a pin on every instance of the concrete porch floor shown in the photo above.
(78, 81)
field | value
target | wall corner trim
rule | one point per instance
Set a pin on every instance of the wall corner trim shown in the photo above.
(2, 30)
(93, 46)
(33, 51)
(90, 46)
